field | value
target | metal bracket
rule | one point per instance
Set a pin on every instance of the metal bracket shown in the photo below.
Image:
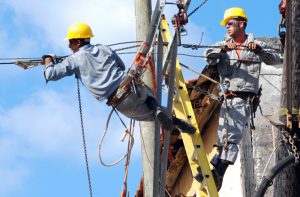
(25, 64)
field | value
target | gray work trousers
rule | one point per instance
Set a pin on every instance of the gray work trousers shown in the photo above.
(235, 118)
(134, 106)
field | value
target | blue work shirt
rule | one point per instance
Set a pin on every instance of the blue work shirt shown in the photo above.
(99, 68)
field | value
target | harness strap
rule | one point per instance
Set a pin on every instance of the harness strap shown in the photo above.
(242, 95)
(247, 96)
(127, 86)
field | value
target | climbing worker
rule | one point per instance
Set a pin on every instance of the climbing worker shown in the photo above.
(238, 59)
(103, 73)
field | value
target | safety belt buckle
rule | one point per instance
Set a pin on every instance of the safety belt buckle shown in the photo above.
(229, 94)
(120, 93)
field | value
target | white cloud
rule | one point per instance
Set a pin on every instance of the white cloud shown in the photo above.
(13, 172)
(48, 122)
(47, 126)
(111, 20)
(12, 178)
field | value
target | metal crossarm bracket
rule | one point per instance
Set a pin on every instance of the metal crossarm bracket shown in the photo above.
(193, 144)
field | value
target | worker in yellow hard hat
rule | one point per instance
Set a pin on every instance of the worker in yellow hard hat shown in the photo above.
(234, 13)
(78, 32)
(102, 71)
(238, 59)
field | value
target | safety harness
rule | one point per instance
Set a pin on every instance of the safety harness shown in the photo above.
(127, 86)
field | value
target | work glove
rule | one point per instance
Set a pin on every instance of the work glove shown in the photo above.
(253, 47)
(49, 58)
(229, 46)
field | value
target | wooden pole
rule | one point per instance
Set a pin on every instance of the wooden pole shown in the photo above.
(149, 135)
(287, 183)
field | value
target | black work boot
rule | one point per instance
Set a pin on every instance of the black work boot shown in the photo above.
(218, 172)
(183, 126)
(164, 118)
(199, 176)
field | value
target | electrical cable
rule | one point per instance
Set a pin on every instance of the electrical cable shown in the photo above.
(119, 43)
(199, 6)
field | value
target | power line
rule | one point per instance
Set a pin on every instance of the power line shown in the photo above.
(199, 6)
(119, 43)
(39, 58)
(242, 47)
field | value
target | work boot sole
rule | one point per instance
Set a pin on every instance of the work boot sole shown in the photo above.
(183, 126)
(218, 179)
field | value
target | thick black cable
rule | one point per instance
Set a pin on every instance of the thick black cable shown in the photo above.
(273, 172)
(6, 63)
(199, 6)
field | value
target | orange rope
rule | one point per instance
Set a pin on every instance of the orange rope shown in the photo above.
(129, 148)
(152, 68)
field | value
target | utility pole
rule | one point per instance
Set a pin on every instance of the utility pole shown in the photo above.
(150, 132)
(287, 184)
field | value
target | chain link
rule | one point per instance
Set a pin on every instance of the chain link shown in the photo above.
(287, 137)
(83, 139)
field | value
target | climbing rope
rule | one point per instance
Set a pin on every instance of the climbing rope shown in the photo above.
(83, 139)
(129, 149)
(127, 131)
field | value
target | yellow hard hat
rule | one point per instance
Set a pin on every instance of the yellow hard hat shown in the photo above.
(233, 13)
(79, 30)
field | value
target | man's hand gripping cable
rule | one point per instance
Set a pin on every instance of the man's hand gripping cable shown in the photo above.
(26, 64)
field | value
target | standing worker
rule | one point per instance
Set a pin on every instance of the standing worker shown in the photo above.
(103, 73)
(238, 59)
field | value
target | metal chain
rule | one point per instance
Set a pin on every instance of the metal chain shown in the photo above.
(289, 139)
(83, 139)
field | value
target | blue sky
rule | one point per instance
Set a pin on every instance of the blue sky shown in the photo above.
(40, 139)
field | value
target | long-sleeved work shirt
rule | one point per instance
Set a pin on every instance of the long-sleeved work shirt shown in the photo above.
(241, 71)
(98, 67)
